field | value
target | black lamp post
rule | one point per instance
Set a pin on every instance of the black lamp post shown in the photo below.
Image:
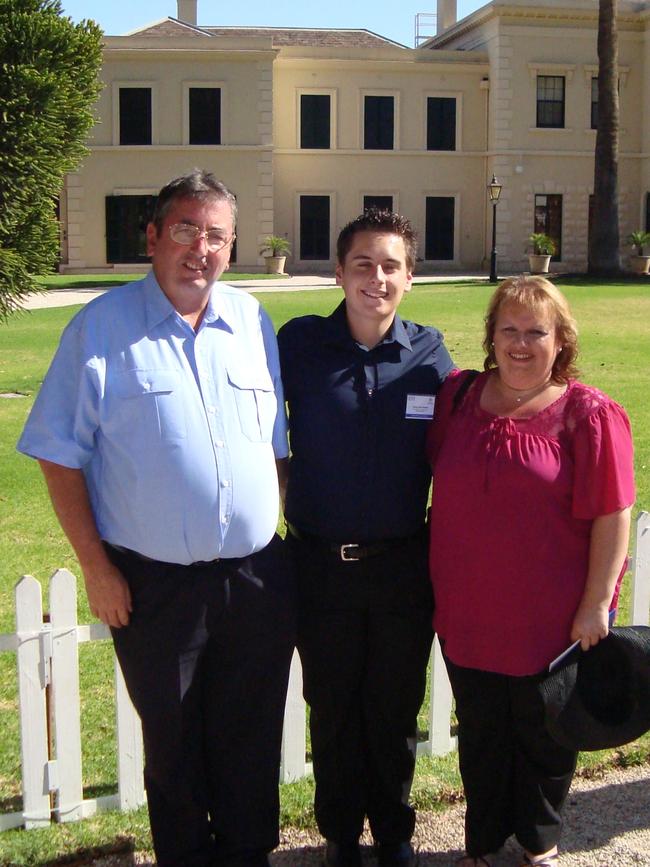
(494, 191)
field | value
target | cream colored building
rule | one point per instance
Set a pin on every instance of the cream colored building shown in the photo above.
(307, 127)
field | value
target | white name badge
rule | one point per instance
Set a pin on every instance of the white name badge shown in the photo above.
(420, 406)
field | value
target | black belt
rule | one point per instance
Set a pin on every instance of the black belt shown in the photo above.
(136, 555)
(350, 552)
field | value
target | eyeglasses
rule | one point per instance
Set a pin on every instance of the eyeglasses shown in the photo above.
(186, 234)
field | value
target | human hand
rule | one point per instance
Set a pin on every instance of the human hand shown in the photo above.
(590, 624)
(108, 594)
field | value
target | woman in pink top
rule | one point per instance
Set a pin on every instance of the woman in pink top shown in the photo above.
(533, 484)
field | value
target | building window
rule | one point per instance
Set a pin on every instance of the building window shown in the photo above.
(550, 101)
(548, 219)
(315, 120)
(382, 203)
(439, 228)
(647, 212)
(205, 115)
(135, 115)
(441, 123)
(315, 227)
(594, 103)
(126, 223)
(378, 123)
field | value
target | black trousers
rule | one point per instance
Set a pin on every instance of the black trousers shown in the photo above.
(516, 777)
(364, 636)
(206, 660)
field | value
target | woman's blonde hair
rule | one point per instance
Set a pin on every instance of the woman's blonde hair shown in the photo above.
(536, 293)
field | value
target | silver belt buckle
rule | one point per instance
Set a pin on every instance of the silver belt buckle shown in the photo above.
(345, 556)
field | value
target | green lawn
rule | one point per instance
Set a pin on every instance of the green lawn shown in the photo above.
(615, 356)
(105, 281)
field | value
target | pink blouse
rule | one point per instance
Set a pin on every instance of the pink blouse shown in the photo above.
(511, 515)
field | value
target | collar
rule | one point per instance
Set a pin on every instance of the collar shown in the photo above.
(339, 331)
(158, 307)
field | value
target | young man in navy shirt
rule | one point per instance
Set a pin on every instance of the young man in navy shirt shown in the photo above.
(361, 386)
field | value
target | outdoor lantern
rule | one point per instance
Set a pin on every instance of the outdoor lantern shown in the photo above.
(494, 191)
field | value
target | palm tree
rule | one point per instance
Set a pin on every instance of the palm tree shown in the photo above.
(604, 240)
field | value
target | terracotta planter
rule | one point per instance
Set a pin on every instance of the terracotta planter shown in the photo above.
(639, 264)
(275, 264)
(538, 263)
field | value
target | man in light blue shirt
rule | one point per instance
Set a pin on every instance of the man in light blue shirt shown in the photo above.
(161, 432)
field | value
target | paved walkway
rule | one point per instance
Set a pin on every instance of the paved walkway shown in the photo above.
(79, 295)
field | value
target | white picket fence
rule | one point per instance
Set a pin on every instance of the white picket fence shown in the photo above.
(47, 656)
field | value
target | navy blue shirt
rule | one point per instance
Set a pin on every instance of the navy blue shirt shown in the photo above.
(358, 468)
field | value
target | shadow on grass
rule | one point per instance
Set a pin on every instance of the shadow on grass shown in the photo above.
(122, 847)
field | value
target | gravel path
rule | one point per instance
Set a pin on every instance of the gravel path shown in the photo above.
(607, 823)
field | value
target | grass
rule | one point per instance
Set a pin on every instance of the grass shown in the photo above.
(105, 281)
(615, 356)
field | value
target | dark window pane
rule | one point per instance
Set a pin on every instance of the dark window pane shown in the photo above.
(439, 230)
(382, 203)
(314, 121)
(594, 103)
(314, 227)
(548, 219)
(126, 223)
(205, 115)
(647, 212)
(135, 115)
(550, 100)
(441, 123)
(378, 123)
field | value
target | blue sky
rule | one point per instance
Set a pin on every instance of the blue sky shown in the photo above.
(396, 21)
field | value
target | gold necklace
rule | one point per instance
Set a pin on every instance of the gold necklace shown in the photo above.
(528, 393)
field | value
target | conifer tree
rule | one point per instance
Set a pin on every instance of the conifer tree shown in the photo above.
(48, 86)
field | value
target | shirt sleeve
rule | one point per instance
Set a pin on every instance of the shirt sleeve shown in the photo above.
(62, 423)
(280, 439)
(604, 463)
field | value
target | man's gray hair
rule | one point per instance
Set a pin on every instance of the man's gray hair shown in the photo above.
(197, 184)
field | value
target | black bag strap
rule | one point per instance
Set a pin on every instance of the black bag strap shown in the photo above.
(463, 389)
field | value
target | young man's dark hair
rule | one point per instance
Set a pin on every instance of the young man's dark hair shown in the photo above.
(376, 220)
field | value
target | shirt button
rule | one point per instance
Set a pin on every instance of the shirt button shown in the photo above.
(219, 444)
(224, 520)
(147, 386)
(226, 483)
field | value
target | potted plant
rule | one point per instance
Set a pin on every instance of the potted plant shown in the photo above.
(543, 248)
(275, 249)
(638, 240)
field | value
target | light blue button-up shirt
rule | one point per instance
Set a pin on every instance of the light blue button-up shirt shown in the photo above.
(176, 432)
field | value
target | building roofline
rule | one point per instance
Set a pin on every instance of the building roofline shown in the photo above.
(628, 12)
(193, 27)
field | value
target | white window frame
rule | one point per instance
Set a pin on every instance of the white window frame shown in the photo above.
(332, 92)
(212, 85)
(591, 71)
(332, 197)
(447, 94)
(119, 85)
(394, 194)
(446, 194)
(396, 94)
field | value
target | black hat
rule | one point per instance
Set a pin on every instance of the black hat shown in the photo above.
(600, 698)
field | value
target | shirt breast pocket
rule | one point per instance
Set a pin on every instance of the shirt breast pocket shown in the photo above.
(153, 400)
(256, 403)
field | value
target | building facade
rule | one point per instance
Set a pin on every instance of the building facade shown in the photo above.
(308, 127)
